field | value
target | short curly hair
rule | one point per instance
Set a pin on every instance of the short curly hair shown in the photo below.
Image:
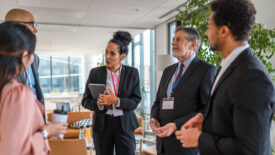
(237, 15)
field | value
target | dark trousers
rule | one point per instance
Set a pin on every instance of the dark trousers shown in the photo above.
(113, 136)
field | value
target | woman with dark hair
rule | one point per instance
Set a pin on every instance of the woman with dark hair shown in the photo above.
(114, 120)
(22, 129)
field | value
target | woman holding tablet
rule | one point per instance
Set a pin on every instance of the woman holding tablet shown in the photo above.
(114, 120)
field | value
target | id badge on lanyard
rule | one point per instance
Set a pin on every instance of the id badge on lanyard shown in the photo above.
(168, 103)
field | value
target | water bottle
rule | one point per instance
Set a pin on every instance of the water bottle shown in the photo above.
(88, 138)
(60, 116)
(81, 133)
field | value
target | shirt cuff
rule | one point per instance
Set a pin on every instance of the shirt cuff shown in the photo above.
(118, 103)
(100, 107)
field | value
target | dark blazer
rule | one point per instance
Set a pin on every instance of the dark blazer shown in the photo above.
(128, 93)
(190, 97)
(34, 67)
(240, 111)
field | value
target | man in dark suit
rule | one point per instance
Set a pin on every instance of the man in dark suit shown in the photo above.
(183, 92)
(241, 106)
(31, 76)
(22, 77)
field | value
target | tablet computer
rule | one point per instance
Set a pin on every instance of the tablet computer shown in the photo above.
(96, 89)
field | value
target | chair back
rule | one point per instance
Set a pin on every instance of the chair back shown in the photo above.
(73, 116)
(68, 147)
(63, 105)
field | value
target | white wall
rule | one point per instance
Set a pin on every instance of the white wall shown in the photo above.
(265, 12)
(89, 62)
(161, 32)
(265, 15)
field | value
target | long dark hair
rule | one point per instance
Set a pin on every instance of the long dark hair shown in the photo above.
(15, 38)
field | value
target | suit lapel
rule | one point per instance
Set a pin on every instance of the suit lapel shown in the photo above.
(228, 71)
(169, 78)
(122, 78)
(34, 67)
(223, 77)
(104, 75)
(34, 71)
(191, 68)
(225, 74)
(21, 78)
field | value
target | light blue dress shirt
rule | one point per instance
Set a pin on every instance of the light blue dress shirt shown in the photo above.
(30, 81)
(186, 65)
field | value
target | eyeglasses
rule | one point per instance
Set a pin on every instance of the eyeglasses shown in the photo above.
(33, 24)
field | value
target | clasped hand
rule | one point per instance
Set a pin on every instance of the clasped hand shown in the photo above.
(190, 131)
(106, 100)
(164, 131)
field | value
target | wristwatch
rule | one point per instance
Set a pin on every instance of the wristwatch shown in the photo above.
(45, 134)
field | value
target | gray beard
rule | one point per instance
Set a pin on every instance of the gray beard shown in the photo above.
(176, 55)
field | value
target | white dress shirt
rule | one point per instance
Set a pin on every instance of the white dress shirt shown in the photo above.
(227, 62)
(109, 84)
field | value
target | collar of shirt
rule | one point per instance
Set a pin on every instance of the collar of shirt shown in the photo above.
(232, 56)
(187, 62)
(109, 81)
(226, 63)
(114, 74)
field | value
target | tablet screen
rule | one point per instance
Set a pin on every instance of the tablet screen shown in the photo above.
(96, 89)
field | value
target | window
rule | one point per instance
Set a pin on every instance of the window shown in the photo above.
(61, 73)
(76, 71)
(45, 73)
(171, 31)
(148, 70)
(141, 56)
(128, 59)
(137, 56)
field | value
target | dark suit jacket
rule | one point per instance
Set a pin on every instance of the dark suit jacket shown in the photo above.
(34, 67)
(190, 97)
(128, 93)
(240, 111)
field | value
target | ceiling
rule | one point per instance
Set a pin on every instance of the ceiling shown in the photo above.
(69, 27)
(85, 26)
(109, 13)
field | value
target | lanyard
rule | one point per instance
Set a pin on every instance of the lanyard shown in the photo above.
(115, 86)
(28, 76)
(175, 83)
